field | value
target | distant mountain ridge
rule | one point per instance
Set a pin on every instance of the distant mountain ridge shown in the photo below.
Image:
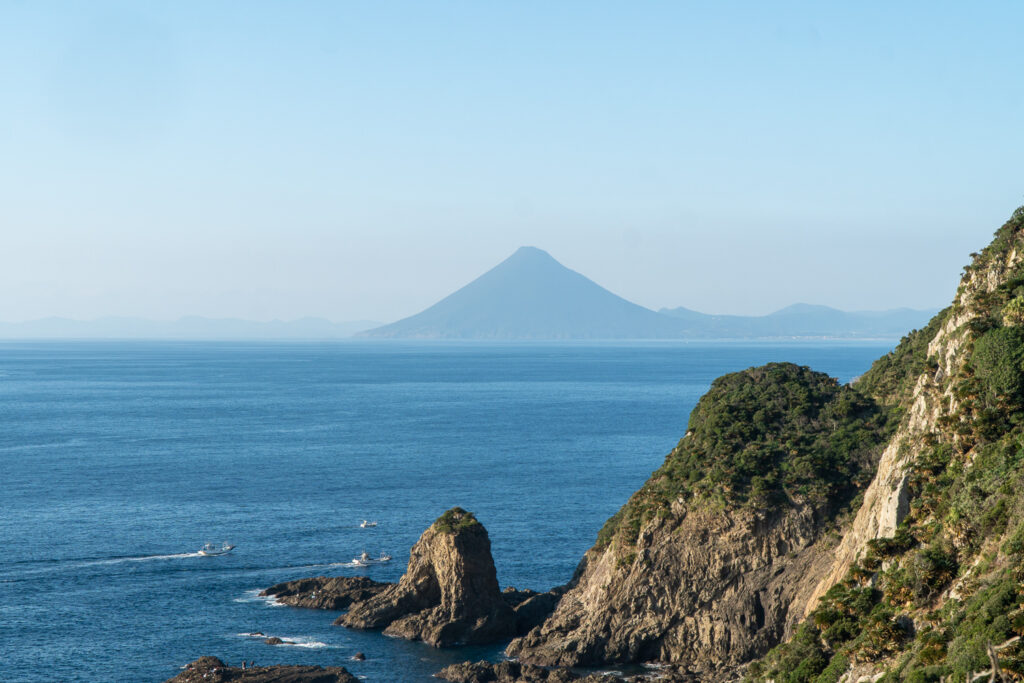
(530, 295)
(187, 328)
(807, 320)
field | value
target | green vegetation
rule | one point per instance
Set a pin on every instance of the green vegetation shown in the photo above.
(769, 437)
(926, 603)
(455, 520)
(891, 379)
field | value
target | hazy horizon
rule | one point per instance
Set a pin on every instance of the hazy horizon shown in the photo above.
(362, 161)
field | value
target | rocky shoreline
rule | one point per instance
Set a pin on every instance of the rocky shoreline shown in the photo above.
(213, 670)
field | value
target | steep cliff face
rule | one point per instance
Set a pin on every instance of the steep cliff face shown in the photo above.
(449, 593)
(712, 561)
(926, 581)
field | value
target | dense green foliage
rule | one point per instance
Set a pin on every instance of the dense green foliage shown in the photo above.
(928, 602)
(891, 379)
(455, 520)
(998, 362)
(769, 436)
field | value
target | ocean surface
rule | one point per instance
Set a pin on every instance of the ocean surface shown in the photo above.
(119, 460)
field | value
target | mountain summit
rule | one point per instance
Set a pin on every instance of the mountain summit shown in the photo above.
(530, 295)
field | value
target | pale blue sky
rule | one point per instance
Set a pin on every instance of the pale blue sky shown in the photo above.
(362, 159)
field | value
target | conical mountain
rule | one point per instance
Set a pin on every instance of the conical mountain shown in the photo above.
(530, 295)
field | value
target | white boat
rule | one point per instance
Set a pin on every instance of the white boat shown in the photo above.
(367, 523)
(211, 550)
(364, 559)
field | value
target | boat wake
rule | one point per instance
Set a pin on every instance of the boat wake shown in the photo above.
(141, 558)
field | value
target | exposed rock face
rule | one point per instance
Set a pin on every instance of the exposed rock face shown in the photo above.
(707, 589)
(213, 670)
(449, 593)
(326, 592)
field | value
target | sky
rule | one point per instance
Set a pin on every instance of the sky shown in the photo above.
(361, 160)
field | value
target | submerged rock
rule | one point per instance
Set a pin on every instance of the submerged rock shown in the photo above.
(213, 670)
(325, 592)
(449, 593)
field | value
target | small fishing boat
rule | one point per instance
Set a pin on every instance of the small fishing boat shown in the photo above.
(211, 550)
(367, 523)
(364, 559)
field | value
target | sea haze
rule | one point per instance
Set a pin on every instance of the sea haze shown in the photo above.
(118, 461)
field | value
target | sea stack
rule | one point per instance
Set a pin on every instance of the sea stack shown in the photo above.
(449, 593)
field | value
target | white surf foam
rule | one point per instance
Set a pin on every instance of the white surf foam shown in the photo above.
(290, 641)
(254, 596)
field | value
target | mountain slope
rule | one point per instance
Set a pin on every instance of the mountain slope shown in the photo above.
(530, 295)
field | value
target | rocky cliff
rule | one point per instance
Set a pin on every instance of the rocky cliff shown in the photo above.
(716, 557)
(449, 593)
(878, 532)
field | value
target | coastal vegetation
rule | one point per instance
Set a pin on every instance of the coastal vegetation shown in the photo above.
(767, 437)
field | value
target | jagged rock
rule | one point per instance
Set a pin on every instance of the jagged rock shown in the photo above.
(514, 672)
(213, 670)
(274, 640)
(359, 657)
(326, 592)
(449, 593)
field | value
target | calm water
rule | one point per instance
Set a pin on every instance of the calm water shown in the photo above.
(119, 460)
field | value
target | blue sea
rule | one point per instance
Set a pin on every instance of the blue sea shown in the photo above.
(119, 460)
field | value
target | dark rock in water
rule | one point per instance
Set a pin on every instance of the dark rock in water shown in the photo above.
(274, 640)
(213, 670)
(449, 593)
(358, 657)
(531, 607)
(326, 592)
(514, 672)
